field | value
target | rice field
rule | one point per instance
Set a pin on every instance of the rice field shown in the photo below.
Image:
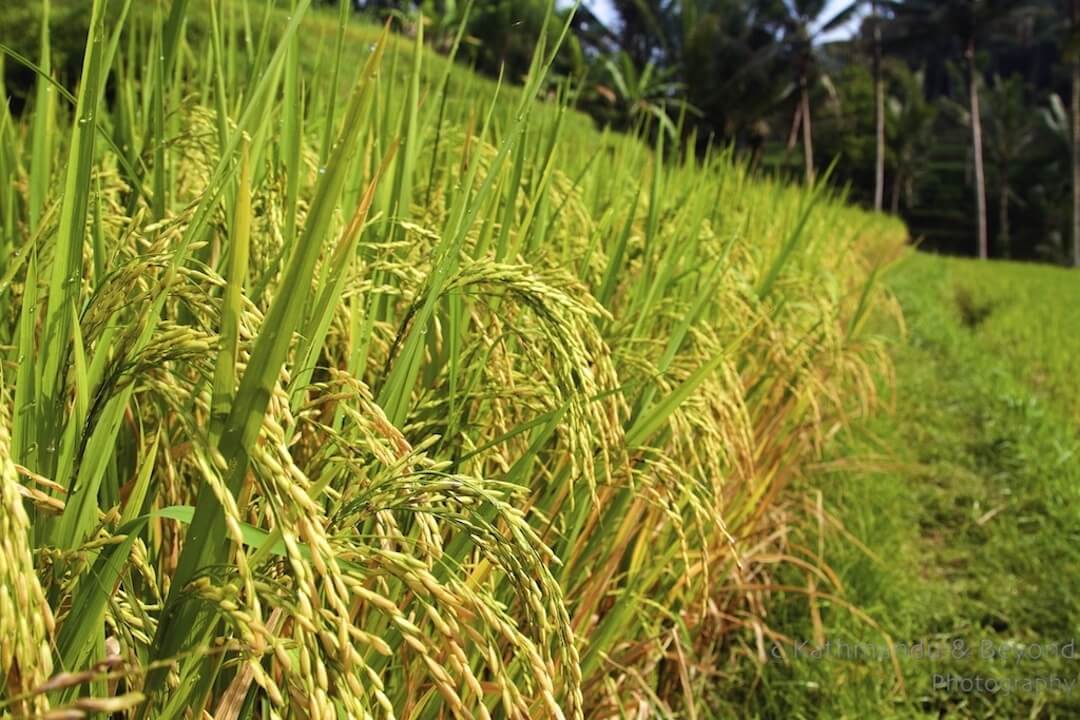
(963, 501)
(338, 382)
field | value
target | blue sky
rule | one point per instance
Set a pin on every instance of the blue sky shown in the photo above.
(603, 10)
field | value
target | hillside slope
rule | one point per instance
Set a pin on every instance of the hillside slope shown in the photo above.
(394, 396)
(965, 502)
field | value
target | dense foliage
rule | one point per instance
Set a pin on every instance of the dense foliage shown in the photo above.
(748, 72)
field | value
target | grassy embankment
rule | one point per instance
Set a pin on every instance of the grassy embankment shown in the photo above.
(968, 503)
(394, 396)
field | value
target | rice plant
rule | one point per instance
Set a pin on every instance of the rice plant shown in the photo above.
(340, 383)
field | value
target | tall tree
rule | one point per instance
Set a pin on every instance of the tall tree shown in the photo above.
(912, 122)
(874, 22)
(648, 29)
(650, 91)
(730, 64)
(961, 25)
(799, 25)
(1073, 58)
(1010, 133)
(977, 146)
(879, 110)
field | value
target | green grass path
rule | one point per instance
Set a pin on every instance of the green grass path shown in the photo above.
(971, 512)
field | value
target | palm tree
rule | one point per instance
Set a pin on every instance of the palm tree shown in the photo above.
(648, 29)
(912, 119)
(879, 110)
(961, 26)
(977, 143)
(1068, 12)
(875, 22)
(799, 25)
(651, 90)
(1057, 156)
(1010, 132)
(731, 65)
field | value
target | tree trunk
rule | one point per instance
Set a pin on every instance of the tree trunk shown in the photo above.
(897, 187)
(1074, 20)
(796, 124)
(879, 112)
(808, 135)
(977, 151)
(1003, 219)
(1075, 122)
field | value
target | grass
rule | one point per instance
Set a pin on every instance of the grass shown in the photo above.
(1000, 309)
(965, 500)
(381, 398)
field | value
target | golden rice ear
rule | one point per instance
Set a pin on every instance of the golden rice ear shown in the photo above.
(433, 401)
(26, 620)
